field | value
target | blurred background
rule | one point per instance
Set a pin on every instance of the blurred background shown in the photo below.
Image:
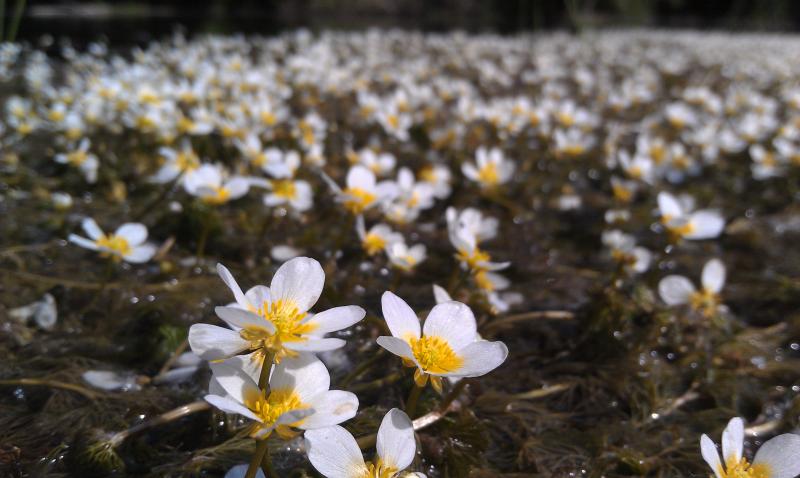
(141, 21)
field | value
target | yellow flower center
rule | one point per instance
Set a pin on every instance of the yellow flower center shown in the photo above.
(658, 153)
(743, 469)
(621, 193)
(393, 120)
(427, 174)
(56, 115)
(704, 301)
(268, 118)
(358, 200)
(474, 259)
(379, 470)
(77, 158)
(434, 355)
(573, 150)
(488, 174)
(289, 327)
(221, 195)
(270, 408)
(682, 230)
(187, 161)
(483, 282)
(565, 119)
(373, 243)
(284, 188)
(117, 245)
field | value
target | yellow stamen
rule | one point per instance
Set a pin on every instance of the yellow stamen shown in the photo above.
(379, 470)
(221, 196)
(358, 200)
(373, 244)
(434, 355)
(488, 174)
(743, 469)
(118, 246)
(270, 408)
(289, 327)
(284, 188)
(475, 259)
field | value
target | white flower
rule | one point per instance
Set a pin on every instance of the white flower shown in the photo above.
(82, 159)
(379, 237)
(445, 347)
(43, 312)
(362, 190)
(678, 290)
(178, 161)
(681, 221)
(624, 250)
(379, 163)
(299, 395)
(491, 168)
(778, 457)
(127, 242)
(334, 452)
(439, 177)
(404, 257)
(275, 319)
(466, 230)
(212, 185)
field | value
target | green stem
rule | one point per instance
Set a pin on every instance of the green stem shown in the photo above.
(263, 377)
(12, 29)
(266, 466)
(201, 244)
(258, 457)
(413, 398)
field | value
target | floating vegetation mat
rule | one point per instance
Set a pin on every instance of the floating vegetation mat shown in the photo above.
(615, 212)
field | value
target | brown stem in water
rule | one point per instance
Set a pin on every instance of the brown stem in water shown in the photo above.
(90, 394)
(171, 360)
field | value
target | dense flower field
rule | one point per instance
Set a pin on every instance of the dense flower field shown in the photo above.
(391, 254)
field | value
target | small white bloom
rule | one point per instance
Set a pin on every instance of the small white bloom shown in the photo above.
(126, 243)
(335, 453)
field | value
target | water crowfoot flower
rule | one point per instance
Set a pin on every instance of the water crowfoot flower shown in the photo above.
(127, 243)
(298, 396)
(276, 319)
(445, 347)
(682, 222)
(678, 290)
(777, 458)
(334, 452)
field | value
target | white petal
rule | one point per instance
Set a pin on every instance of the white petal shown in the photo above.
(335, 453)
(91, 228)
(396, 444)
(713, 275)
(396, 346)
(108, 380)
(360, 177)
(258, 295)
(83, 242)
(401, 319)
(440, 294)
(781, 455)
(133, 232)
(237, 187)
(669, 206)
(305, 374)
(706, 224)
(241, 319)
(733, 440)
(452, 321)
(230, 406)
(675, 290)
(481, 357)
(141, 254)
(331, 408)
(710, 454)
(337, 318)
(236, 382)
(211, 342)
(239, 471)
(227, 277)
(315, 345)
(299, 280)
